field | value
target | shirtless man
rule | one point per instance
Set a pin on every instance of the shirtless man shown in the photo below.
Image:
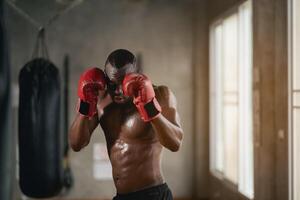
(138, 120)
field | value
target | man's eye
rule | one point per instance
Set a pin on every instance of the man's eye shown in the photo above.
(112, 86)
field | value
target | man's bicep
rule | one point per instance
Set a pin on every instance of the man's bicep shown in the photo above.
(169, 107)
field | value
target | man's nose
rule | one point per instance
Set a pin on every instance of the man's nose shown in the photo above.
(119, 90)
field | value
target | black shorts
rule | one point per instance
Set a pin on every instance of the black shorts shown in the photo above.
(159, 192)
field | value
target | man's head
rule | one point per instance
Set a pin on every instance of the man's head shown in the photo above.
(119, 63)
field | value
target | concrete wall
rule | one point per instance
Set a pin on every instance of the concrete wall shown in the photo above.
(201, 100)
(162, 31)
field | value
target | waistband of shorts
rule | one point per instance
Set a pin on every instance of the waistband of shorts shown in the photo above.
(156, 188)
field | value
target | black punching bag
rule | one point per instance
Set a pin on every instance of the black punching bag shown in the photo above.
(6, 135)
(40, 141)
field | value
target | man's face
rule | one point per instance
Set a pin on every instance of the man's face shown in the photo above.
(114, 83)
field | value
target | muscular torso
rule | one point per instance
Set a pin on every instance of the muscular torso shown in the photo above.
(133, 148)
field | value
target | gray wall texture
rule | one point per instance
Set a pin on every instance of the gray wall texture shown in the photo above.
(161, 31)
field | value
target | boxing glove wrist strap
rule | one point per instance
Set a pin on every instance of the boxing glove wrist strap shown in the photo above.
(150, 110)
(83, 107)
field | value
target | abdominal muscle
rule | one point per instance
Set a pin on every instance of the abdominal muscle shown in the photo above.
(136, 165)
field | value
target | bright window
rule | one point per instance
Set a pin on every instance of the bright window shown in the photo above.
(231, 128)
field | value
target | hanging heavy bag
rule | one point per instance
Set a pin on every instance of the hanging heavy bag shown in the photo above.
(40, 141)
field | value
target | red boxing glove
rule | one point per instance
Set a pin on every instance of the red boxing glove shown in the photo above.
(140, 88)
(90, 83)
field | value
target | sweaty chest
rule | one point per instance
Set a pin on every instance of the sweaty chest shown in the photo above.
(125, 123)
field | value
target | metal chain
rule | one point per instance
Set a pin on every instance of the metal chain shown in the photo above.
(63, 11)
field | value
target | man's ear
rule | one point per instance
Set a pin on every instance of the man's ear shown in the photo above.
(105, 75)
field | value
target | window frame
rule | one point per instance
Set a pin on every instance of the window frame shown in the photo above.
(293, 13)
(226, 186)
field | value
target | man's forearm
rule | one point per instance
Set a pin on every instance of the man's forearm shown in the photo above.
(169, 134)
(79, 134)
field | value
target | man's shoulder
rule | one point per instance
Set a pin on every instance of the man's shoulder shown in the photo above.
(164, 95)
(161, 90)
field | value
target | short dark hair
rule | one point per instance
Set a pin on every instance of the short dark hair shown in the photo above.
(120, 58)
